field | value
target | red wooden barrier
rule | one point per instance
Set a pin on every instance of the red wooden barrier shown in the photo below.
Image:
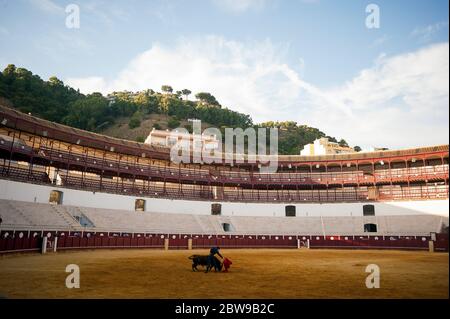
(24, 241)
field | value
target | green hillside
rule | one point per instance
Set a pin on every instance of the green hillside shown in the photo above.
(132, 115)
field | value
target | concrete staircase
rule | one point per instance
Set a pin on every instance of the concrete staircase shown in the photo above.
(67, 217)
(25, 220)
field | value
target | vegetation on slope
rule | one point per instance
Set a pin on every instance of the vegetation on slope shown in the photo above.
(131, 115)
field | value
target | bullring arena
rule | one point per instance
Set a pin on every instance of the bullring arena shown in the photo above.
(255, 273)
(129, 218)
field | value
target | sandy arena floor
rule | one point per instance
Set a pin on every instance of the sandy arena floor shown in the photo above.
(254, 274)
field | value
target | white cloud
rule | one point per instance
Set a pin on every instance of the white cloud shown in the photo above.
(379, 41)
(47, 6)
(426, 34)
(402, 101)
(89, 84)
(239, 6)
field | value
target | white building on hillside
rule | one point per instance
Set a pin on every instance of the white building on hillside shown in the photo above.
(170, 138)
(323, 146)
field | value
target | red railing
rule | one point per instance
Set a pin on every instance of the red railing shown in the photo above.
(23, 241)
(202, 176)
(205, 192)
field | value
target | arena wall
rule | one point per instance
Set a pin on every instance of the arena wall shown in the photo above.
(40, 194)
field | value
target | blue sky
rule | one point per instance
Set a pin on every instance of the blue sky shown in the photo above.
(312, 61)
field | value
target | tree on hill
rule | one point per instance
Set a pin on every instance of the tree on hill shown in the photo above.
(30, 94)
(88, 113)
(54, 81)
(166, 89)
(135, 120)
(332, 139)
(3, 86)
(173, 123)
(57, 102)
(186, 93)
(293, 137)
(343, 143)
(9, 74)
(207, 98)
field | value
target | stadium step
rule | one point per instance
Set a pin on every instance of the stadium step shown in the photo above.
(21, 213)
(68, 218)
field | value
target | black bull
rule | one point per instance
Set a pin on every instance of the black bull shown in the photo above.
(203, 261)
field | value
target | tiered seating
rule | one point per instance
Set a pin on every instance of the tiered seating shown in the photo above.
(118, 220)
(208, 175)
(92, 182)
(277, 225)
(24, 215)
(33, 215)
(210, 224)
(12, 216)
(343, 225)
(403, 224)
